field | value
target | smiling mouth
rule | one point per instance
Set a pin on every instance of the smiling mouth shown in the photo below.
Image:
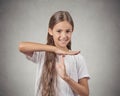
(63, 41)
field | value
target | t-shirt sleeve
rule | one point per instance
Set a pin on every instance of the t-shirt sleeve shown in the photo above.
(82, 68)
(36, 57)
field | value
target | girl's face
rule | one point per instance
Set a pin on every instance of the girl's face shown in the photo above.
(61, 33)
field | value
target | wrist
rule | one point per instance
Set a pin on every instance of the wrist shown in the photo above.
(66, 78)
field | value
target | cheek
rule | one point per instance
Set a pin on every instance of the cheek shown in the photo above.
(69, 35)
(55, 37)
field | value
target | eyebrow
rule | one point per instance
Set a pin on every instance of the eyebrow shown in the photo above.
(65, 29)
(68, 29)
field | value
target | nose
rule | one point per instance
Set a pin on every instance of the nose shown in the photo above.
(63, 34)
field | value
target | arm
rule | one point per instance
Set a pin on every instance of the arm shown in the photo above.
(29, 47)
(80, 87)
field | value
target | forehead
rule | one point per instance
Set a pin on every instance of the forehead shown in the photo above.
(63, 25)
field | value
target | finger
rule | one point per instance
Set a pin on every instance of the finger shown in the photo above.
(73, 52)
(63, 62)
(62, 59)
(57, 66)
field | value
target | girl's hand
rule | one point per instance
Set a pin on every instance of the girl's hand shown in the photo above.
(60, 67)
(62, 52)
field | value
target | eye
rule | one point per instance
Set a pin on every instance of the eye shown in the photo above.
(67, 31)
(59, 31)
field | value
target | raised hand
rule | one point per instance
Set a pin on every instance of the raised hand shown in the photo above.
(60, 67)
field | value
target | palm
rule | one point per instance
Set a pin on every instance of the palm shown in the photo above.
(60, 67)
(62, 52)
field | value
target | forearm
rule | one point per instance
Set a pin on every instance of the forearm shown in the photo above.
(27, 47)
(76, 87)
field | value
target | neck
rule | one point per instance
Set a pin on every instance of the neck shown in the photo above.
(63, 48)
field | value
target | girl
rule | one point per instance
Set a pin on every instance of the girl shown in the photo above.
(61, 72)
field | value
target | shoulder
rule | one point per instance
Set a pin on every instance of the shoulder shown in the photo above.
(79, 56)
(80, 60)
(36, 57)
(39, 52)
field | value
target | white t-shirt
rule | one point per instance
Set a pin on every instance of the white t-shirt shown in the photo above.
(75, 67)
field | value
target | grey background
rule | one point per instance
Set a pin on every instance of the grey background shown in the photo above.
(96, 34)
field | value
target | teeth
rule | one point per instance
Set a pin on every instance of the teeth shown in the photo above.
(63, 41)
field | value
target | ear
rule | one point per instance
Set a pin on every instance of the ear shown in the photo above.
(50, 31)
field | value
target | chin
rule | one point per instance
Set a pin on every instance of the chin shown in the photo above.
(63, 46)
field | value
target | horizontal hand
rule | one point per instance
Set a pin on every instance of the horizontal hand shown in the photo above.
(62, 52)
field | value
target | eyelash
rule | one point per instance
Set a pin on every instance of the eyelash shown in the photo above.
(59, 31)
(66, 31)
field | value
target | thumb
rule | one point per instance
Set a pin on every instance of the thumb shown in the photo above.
(62, 59)
(73, 52)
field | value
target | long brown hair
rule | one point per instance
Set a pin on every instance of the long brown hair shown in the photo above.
(48, 78)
